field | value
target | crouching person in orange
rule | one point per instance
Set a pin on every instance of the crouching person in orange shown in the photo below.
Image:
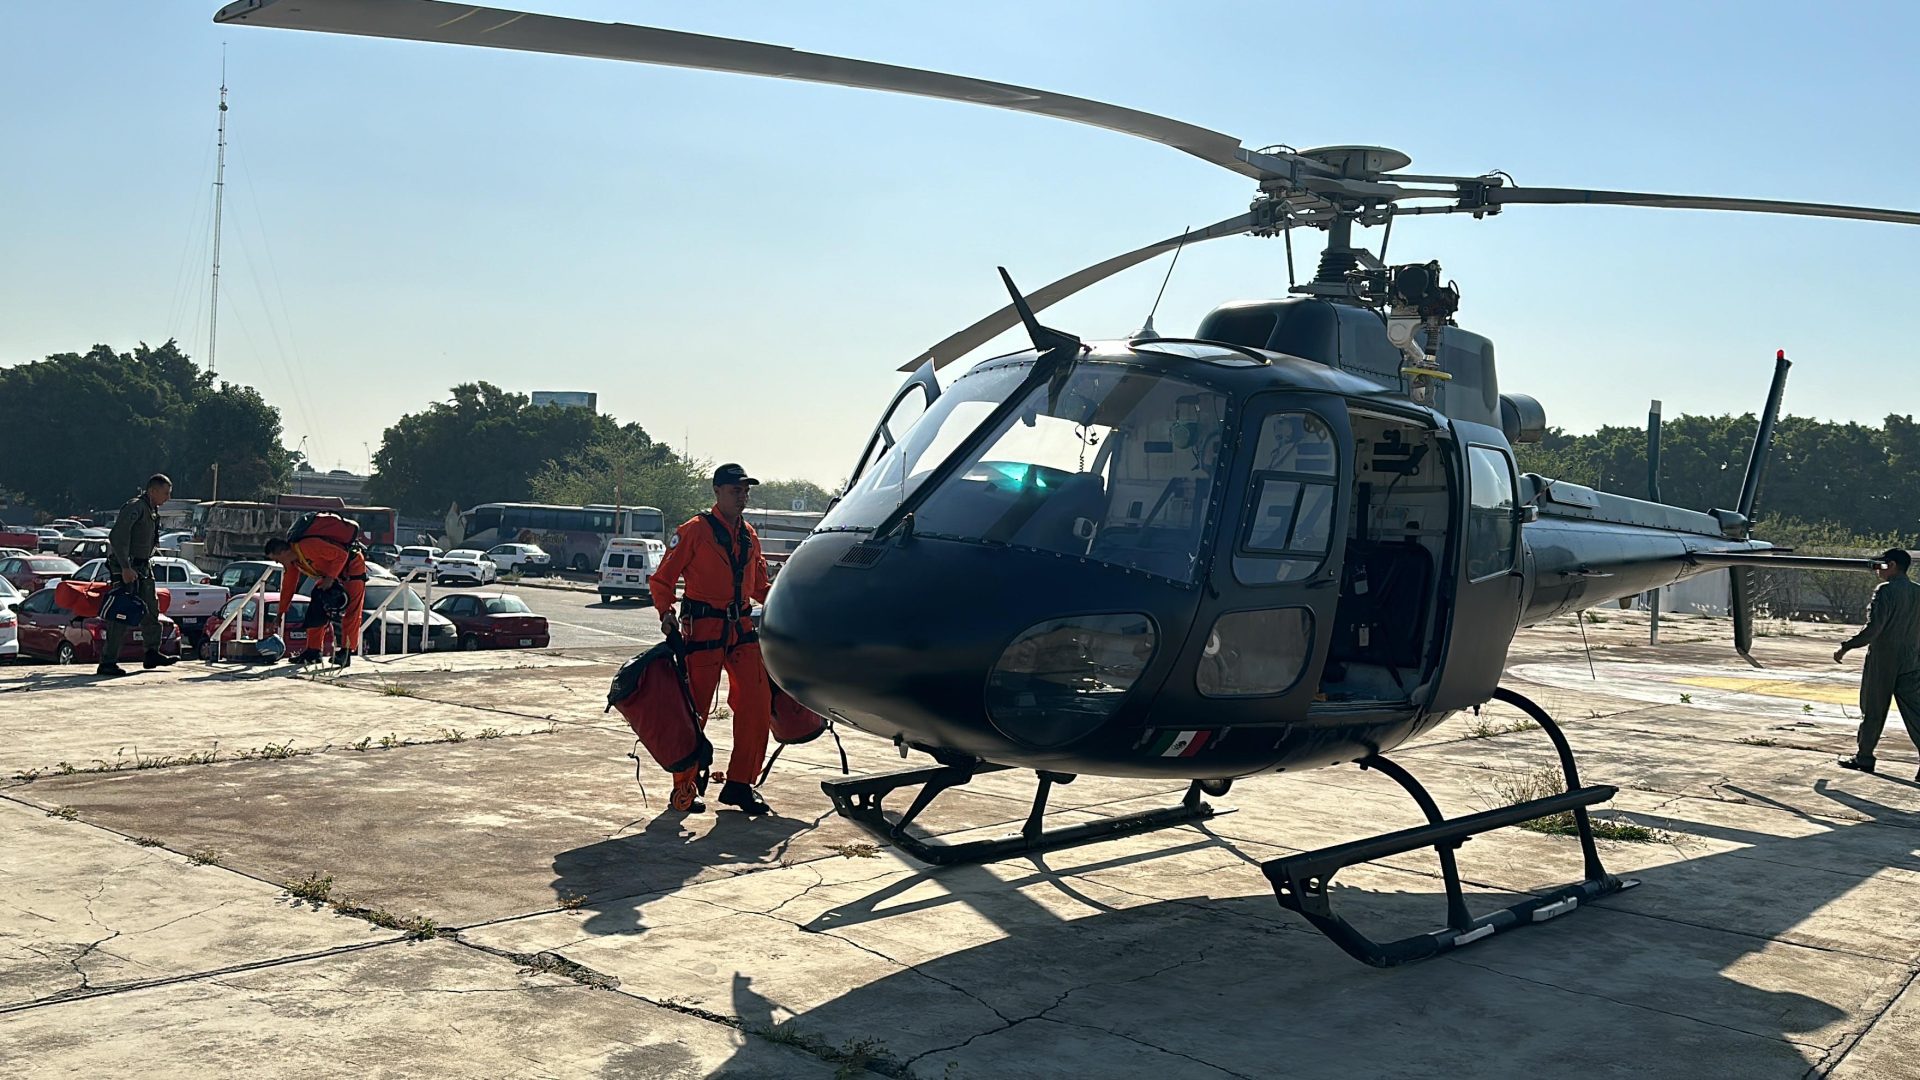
(718, 554)
(330, 564)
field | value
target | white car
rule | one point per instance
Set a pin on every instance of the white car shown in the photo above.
(526, 558)
(166, 571)
(465, 564)
(9, 622)
(172, 541)
(415, 558)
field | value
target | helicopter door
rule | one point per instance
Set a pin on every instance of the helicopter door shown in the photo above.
(1262, 634)
(1487, 571)
(912, 400)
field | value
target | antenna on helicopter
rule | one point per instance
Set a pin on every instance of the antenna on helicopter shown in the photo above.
(1146, 331)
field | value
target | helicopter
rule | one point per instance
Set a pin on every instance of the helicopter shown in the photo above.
(1295, 539)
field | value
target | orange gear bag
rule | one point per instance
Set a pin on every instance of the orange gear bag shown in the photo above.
(652, 693)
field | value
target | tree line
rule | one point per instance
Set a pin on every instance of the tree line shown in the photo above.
(1862, 479)
(84, 430)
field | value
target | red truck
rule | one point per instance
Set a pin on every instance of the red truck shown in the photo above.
(23, 539)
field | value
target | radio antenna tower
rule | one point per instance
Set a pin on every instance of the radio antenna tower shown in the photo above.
(219, 194)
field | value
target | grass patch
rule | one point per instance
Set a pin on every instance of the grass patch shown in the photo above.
(273, 752)
(148, 841)
(1595, 618)
(1483, 728)
(1547, 781)
(205, 857)
(394, 689)
(416, 927)
(452, 734)
(572, 901)
(64, 813)
(314, 889)
(857, 849)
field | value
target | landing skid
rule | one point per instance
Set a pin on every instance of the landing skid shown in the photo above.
(860, 799)
(1301, 881)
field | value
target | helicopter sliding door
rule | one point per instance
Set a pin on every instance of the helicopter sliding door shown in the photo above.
(1487, 571)
(1262, 635)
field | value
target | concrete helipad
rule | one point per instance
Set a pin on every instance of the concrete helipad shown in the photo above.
(484, 890)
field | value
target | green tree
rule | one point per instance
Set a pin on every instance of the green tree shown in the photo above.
(484, 444)
(628, 468)
(125, 415)
(780, 495)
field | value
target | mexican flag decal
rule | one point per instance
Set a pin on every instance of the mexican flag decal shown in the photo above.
(1178, 743)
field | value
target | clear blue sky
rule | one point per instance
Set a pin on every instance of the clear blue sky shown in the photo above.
(740, 263)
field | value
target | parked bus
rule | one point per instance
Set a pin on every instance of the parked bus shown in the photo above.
(575, 536)
(238, 530)
(781, 531)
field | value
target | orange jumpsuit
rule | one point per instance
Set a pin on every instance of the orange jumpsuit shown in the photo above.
(715, 641)
(317, 558)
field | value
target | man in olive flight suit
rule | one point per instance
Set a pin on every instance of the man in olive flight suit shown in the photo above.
(1892, 637)
(129, 553)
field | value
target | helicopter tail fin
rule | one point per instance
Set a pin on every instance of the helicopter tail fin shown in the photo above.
(1763, 440)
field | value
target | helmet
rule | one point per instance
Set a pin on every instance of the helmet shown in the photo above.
(332, 602)
(271, 648)
(123, 606)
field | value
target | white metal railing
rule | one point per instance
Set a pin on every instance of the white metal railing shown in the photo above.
(426, 613)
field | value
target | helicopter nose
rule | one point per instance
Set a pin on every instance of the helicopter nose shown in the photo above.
(954, 645)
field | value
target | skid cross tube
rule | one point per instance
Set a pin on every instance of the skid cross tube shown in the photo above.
(1302, 882)
(860, 798)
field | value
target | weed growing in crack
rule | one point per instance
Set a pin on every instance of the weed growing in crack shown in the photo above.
(205, 857)
(148, 841)
(572, 901)
(489, 733)
(1546, 782)
(362, 744)
(852, 1057)
(28, 775)
(1686, 699)
(273, 752)
(390, 740)
(551, 963)
(1758, 740)
(64, 813)
(416, 927)
(313, 890)
(856, 849)
(452, 734)
(1487, 729)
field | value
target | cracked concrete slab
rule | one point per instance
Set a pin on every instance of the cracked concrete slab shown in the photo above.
(83, 910)
(402, 1010)
(90, 724)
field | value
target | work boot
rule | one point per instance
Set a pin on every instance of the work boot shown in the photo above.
(736, 793)
(341, 658)
(110, 669)
(686, 799)
(1856, 764)
(153, 659)
(308, 656)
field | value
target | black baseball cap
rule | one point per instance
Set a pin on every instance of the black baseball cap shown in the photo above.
(731, 473)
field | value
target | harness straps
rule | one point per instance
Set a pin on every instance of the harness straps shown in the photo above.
(739, 555)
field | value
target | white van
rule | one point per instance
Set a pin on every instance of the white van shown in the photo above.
(627, 565)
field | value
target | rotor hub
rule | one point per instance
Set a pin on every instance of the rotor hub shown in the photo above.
(1359, 162)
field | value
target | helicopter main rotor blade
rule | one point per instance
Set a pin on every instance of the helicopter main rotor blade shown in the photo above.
(960, 344)
(1499, 196)
(465, 24)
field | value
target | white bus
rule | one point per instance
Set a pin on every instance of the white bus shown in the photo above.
(575, 536)
(781, 531)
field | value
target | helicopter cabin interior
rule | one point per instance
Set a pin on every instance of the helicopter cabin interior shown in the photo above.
(1396, 540)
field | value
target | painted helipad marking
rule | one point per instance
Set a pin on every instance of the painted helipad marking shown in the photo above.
(1832, 697)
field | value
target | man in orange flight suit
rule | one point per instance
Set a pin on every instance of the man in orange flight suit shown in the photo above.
(719, 555)
(330, 564)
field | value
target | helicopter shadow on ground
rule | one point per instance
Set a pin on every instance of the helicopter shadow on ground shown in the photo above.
(1232, 985)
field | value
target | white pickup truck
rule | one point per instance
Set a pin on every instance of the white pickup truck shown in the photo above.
(194, 597)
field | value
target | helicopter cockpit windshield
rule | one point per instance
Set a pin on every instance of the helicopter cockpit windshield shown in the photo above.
(1116, 466)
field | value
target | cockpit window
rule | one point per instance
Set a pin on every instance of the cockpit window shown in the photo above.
(1117, 465)
(901, 469)
(1290, 523)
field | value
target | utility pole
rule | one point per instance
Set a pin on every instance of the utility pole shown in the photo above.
(1653, 495)
(219, 196)
(216, 482)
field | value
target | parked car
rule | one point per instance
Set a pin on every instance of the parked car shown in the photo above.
(406, 614)
(627, 565)
(49, 538)
(493, 621)
(465, 564)
(71, 538)
(239, 577)
(13, 553)
(529, 559)
(51, 632)
(9, 621)
(87, 550)
(35, 571)
(172, 541)
(194, 600)
(240, 641)
(382, 554)
(411, 559)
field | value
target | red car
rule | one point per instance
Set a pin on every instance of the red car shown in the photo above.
(238, 642)
(493, 621)
(32, 572)
(51, 632)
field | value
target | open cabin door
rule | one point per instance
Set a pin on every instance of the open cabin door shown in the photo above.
(1484, 610)
(1261, 635)
(908, 405)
